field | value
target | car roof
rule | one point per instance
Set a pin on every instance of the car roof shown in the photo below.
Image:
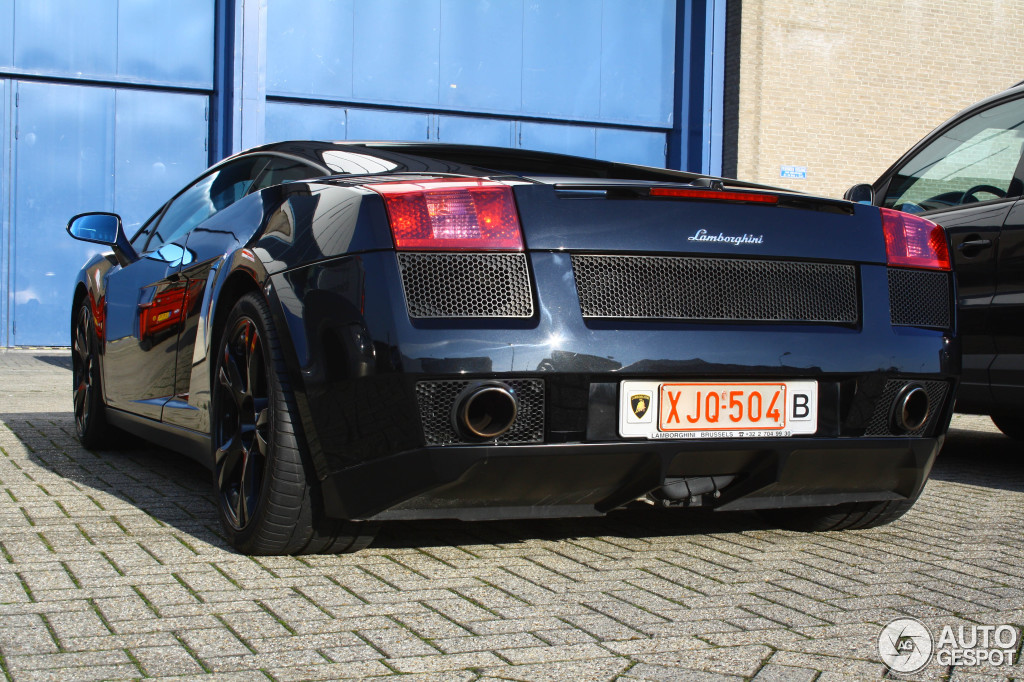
(474, 160)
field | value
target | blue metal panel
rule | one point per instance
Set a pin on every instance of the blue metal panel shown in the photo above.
(714, 87)
(6, 32)
(631, 146)
(561, 139)
(222, 124)
(166, 41)
(373, 124)
(309, 48)
(695, 142)
(562, 58)
(482, 55)
(66, 37)
(473, 130)
(65, 141)
(5, 216)
(396, 50)
(637, 52)
(286, 121)
(250, 79)
(160, 143)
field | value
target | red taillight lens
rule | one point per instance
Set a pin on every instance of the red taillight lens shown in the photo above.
(713, 194)
(448, 215)
(913, 242)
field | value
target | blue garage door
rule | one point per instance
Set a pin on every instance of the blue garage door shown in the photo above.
(82, 148)
(294, 121)
(587, 77)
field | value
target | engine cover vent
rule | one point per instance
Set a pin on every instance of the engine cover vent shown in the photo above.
(715, 289)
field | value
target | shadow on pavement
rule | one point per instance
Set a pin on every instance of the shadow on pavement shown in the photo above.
(636, 522)
(981, 458)
(62, 361)
(177, 491)
(163, 484)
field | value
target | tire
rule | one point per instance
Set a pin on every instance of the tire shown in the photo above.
(849, 516)
(266, 497)
(1009, 425)
(87, 391)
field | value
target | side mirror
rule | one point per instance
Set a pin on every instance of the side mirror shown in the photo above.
(860, 194)
(104, 228)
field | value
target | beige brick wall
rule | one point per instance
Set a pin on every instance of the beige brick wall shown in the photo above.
(844, 88)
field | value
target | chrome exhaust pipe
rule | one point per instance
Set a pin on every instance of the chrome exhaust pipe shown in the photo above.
(911, 409)
(485, 411)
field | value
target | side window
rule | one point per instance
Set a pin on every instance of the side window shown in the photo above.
(281, 169)
(142, 235)
(211, 193)
(972, 161)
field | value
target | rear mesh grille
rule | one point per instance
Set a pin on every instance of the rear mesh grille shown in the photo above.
(881, 419)
(466, 284)
(919, 298)
(715, 289)
(437, 398)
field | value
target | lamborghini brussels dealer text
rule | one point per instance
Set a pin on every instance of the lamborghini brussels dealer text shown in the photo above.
(347, 333)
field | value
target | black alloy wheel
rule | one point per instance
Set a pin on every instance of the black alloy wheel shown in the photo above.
(242, 422)
(90, 422)
(268, 498)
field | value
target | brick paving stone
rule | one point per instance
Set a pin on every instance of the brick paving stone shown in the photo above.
(113, 566)
(654, 645)
(330, 671)
(503, 626)
(597, 669)
(744, 661)
(80, 674)
(457, 645)
(544, 654)
(565, 636)
(161, 661)
(68, 660)
(426, 664)
(397, 642)
(784, 673)
(661, 673)
(25, 634)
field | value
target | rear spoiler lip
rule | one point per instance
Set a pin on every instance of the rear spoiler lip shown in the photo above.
(626, 189)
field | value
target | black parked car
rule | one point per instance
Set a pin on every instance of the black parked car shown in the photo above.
(968, 176)
(349, 333)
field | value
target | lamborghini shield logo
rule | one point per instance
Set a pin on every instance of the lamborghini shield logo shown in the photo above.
(640, 402)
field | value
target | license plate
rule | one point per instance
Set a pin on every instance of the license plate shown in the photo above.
(653, 409)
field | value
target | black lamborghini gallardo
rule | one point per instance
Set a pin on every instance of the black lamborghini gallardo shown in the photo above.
(347, 333)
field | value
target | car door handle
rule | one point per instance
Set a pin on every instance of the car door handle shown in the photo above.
(976, 244)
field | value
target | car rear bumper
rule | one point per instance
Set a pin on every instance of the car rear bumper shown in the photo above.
(480, 482)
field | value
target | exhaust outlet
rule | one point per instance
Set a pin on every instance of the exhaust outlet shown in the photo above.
(911, 409)
(485, 411)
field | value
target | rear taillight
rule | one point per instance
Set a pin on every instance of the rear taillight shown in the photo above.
(713, 195)
(451, 215)
(913, 242)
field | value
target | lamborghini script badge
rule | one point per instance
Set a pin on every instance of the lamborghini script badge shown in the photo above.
(640, 402)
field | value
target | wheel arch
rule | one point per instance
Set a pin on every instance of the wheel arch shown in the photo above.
(80, 293)
(238, 283)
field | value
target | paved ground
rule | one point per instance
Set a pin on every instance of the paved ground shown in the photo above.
(112, 566)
